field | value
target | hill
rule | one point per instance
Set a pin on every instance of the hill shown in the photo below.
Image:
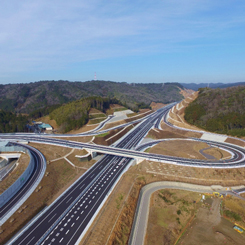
(196, 86)
(75, 114)
(219, 110)
(28, 97)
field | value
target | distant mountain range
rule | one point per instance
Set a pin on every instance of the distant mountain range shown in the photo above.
(196, 86)
(28, 97)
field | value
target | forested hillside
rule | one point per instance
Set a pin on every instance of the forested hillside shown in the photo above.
(29, 97)
(10, 122)
(76, 114)
(219, 110)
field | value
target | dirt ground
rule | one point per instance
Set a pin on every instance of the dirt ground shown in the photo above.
(84, 139)
(156, 106)
(113, 124)
(187, 149)
(210, 228)
(169, 213)
(22, 164)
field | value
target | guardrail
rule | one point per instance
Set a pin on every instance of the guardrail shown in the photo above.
(18, 184)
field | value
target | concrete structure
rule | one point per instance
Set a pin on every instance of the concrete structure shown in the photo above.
(3, 143)
(214, 137)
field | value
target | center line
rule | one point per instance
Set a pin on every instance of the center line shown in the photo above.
(69, 200)
(30, 241)
(52, 217)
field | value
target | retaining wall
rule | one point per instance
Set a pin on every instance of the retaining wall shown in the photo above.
(18, 184)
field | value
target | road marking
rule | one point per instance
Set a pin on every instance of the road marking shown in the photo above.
(67, 232)
(91, 176)
(61, 239)
(77, 218)
(52, 217)
(90, 201)
(72, 224)
(82, 186)
(69, 200)
(86, 206)
(30, 241)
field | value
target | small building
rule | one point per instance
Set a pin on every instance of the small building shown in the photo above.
(45, 126)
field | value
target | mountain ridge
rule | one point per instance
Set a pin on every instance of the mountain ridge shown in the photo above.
(27, 97)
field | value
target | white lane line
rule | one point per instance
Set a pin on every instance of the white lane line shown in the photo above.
(86, 206)
(67, 232)
(77, 218)
(61, 239)
(91, 176)
(82, 186)
(82, 212)
(52, 217)
(30, 241)
(69, 200)
(72, 224)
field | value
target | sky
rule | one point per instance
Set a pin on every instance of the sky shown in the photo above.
(122, 40)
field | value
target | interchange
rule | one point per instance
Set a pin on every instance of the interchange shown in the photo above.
(100, 179)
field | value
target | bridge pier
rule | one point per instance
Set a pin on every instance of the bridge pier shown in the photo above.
(92, 153)
(137, 160)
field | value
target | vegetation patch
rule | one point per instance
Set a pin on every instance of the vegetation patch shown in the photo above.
(120, 109)
(232, 215)
(169, 213)
(102, 135)
(219, 110)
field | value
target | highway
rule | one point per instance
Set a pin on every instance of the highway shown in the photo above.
(35, 177)
(66, 220)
